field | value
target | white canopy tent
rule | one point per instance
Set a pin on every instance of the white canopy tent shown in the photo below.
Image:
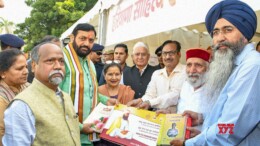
(153, 21)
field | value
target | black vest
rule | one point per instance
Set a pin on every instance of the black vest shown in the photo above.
(138, 83)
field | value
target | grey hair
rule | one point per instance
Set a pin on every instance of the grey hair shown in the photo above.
(35, 51)
(141, 44)
(207, 65)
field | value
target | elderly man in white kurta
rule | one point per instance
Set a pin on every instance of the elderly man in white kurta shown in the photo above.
(163, 91)
(194, 94)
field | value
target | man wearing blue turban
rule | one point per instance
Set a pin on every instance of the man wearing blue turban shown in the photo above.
(235, 117)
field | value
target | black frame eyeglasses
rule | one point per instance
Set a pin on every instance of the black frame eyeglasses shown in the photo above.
(159, 54)
(99, 53)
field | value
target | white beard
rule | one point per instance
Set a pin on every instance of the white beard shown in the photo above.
(219, 72)
(56, 80)
(196, 79)
(222, 66)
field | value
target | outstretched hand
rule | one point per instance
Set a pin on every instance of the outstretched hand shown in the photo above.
(177, 142)
(197, 118)
(87, 128)
(193, 131)
(135, 102)
(163, 111)
(144, 105)
(112, 102)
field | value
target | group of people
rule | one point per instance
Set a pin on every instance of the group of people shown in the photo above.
(68, 83)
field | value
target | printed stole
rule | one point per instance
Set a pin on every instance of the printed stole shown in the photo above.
(77, 80)
(7, 93)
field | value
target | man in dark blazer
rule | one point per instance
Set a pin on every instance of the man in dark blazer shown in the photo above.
(140, 74)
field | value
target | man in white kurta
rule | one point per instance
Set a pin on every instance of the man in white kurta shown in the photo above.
(194, 94)
(194, 100)
(163, 90)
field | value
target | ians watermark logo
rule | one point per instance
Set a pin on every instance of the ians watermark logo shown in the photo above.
(226, 128)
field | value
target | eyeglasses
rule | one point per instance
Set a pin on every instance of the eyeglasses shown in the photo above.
(106, 54)
(159, 54)
(112, 61)
(170, 53)
(99, 53)
(225, 30)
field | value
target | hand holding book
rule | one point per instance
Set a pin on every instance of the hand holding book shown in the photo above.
(87, 128)
(99, 123)
(142, 127)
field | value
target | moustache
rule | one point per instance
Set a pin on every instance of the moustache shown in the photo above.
(217, 46)
(166, 60)
(84, 47)
(56, 72)
(194, 75)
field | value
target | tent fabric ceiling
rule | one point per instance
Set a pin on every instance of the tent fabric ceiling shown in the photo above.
(93, 17)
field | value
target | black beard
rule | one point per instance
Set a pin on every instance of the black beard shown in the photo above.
(79, 52)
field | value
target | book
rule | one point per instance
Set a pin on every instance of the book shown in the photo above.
(173, 127)
(98, 118)
(132, 126)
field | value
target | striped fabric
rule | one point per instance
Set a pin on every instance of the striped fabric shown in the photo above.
(77, 80)
(9, 93)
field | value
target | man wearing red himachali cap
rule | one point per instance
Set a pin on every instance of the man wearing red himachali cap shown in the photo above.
(193, 94)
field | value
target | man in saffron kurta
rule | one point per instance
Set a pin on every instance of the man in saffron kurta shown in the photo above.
(80, 79)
